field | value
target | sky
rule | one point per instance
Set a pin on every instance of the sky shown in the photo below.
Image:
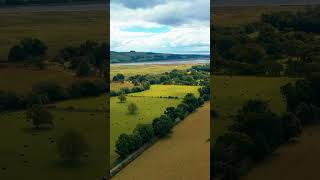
(163, 26)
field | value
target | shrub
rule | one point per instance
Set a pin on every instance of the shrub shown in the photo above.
(122, 98)
(39, 116)
(126, 144)
(162, 126)
(145, 131)
(132, 108)
(87, 88)
(50, 89)
(72, 145)
(118, 77)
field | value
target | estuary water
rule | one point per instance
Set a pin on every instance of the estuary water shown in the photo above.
(195, 61)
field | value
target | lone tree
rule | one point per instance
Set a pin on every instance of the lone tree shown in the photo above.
(40, 116)
(71, 146)
(122, 97)
(119, 78)
(132, 108)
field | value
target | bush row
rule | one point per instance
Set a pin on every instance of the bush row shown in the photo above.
(48, 92)
(160, 127)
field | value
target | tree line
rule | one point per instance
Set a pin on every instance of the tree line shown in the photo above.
(88, 58)
(280, 43)
(47, 92)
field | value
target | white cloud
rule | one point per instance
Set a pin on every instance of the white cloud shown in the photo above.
(188, 22)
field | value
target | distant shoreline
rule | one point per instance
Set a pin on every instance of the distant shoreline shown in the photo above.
(164, 62)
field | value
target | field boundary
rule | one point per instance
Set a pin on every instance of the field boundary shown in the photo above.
(138, 152)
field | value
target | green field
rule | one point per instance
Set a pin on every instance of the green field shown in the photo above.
(168, 90)
(231, 92)
(40, 159)
(56, 29)
(148, 108)
(131, 70)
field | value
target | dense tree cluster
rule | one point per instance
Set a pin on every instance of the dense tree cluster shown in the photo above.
(197, 75)
(254, 134)
(29, 49)
(303, 99)
(48, 92)
(280, 43)
(160, 127)
(85, 58)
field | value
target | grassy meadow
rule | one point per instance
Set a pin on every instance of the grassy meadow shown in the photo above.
(231, 92)
(149, 105)
(57, 30)
(33, 153)
(168, 90)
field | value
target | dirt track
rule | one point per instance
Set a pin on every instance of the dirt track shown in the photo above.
(183, 156)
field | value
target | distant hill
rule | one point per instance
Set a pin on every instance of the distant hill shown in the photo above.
(264, 2)
(127, 57)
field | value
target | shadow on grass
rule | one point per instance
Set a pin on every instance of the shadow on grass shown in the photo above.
(70, 164)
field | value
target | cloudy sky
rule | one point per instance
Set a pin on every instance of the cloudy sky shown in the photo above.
(170, 26)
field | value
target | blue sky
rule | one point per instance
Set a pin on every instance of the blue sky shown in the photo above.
(168, 26)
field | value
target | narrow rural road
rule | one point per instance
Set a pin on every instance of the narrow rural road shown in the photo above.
(183, 156)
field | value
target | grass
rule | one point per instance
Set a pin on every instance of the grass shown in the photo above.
(116, 86)
(122, 122)
(168, 90)
(234, 16)
(183, 155)
(21, 79)
(131, 70)
(40, 159)
(230, 93)
(56, 29)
